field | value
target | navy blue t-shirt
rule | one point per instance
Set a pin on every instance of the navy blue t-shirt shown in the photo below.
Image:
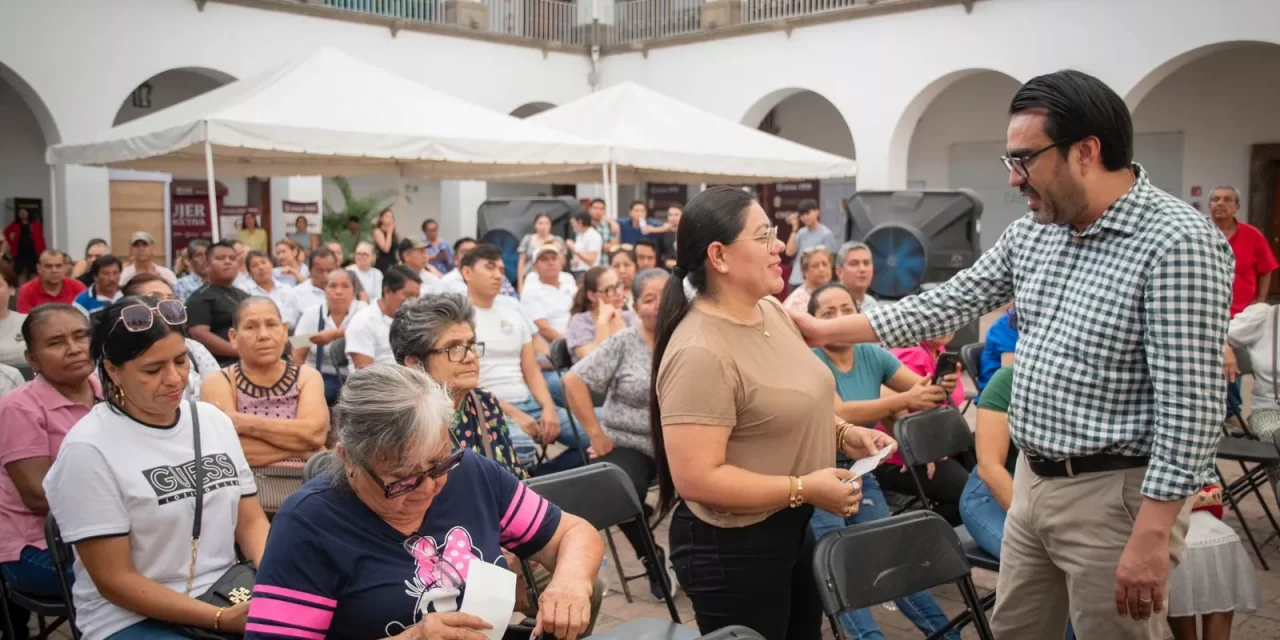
(334, 569)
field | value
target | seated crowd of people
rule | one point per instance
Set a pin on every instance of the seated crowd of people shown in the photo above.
(417, 363)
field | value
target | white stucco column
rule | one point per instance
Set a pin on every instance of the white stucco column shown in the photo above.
(84, 208)
(881, 164)
(459, 201)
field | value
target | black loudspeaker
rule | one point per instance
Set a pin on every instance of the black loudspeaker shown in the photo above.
(918, 239)
(505, 222)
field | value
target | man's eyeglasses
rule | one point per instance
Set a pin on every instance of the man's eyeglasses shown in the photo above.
(407, 484)
(140, 317)
(458, 352)
(1018, 164)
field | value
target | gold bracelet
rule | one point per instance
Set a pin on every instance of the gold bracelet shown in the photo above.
(217, 618)
(799, 492)
(791, 495)
(843, 430)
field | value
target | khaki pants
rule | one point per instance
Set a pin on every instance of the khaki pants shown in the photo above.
(1062, 543)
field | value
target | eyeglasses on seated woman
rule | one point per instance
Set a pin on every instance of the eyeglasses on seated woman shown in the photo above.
(362, 551)
(122, 487)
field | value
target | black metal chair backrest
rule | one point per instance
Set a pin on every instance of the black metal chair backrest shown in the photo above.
(729, 633)
(929, 436)
(971, 357)
(560, 357)
(1243, 361)
(27, 372)
(61, 556)
(875, 562)
(603, 495)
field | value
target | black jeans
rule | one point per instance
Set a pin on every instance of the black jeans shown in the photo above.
(759, 576)
(640, 468)
(943, 490)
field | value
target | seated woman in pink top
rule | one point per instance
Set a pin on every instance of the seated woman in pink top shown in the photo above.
(33, 420)
(944, 481)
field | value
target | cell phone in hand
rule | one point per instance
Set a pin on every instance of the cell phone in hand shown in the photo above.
(947, 362)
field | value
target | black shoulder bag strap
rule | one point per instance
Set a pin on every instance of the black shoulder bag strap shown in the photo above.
(320, 347)
(199, 480)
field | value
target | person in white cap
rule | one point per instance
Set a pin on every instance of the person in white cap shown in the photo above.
(548, 292)
(140, 244)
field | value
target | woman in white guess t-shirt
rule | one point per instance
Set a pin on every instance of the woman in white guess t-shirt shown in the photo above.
(123, 487)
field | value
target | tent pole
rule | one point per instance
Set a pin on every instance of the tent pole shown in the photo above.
(53, 208)
(213, 189)
(604, 184)
(613, 185)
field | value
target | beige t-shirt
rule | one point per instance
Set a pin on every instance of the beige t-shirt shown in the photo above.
(763, 382)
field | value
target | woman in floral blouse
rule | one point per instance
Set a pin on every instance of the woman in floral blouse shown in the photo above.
(437, 334)
(619, 431)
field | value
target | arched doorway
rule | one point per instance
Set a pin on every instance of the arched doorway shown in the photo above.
(139, 202)
(956, 141)
(27, 128)
(1207, 118)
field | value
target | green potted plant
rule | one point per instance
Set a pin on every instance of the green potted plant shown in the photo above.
(366, 208)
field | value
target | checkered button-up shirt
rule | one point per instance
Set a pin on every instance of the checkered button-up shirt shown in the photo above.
(1122, 330)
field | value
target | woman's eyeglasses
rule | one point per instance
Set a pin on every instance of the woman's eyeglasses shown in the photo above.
(769, 237)
(407, 484)
(458, 352)
(610, 290)
(140, 317)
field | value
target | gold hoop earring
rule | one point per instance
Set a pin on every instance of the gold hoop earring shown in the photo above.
(117, 396)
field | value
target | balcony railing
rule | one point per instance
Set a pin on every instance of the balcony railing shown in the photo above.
(579, 23)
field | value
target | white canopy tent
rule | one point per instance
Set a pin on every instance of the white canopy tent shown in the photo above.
(331, 114)
(655, 138)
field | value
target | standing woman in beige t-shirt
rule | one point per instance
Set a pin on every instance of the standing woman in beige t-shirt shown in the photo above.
(743, 427)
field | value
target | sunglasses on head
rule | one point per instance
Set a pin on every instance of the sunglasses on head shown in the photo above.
(407, 484)
(140, 317)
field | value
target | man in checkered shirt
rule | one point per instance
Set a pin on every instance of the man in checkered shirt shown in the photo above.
(1123, 293)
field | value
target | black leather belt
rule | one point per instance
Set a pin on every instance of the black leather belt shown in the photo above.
(1077, 465)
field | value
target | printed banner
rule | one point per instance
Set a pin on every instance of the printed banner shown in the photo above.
(188, 220)
(231, 219)
(293, 211)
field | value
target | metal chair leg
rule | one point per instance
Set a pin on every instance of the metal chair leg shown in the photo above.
(1235, 508)
(617, 564)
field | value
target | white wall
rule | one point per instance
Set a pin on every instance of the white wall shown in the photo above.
(971, 110)
(811, 120)
(1223, 104)
(23, 173)
(167, 89)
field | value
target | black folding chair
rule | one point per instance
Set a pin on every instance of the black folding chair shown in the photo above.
(930, 436)
(61, 556)
(602, 494)
(25, 369)
(1261, 454)
(563, 362)
(971, 357)
(868, 564)
(58, 607)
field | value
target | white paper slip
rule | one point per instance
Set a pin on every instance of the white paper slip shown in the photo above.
(490, 595)
(866, 465)
(300, 340)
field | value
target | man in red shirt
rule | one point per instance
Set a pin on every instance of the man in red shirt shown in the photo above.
(53, 285)
(1254, 259)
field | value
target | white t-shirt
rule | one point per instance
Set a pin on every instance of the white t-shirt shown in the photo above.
(310, 323)
(553, 303)
(588, 241)
(12, 346)
(117, 477)
(452, 282)
(432, 284)
(369, 334)
(307, 296)
(504, 332)
(281, 294)
(370, 280)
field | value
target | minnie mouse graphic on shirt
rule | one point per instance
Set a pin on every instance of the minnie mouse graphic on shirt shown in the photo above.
(440, 573)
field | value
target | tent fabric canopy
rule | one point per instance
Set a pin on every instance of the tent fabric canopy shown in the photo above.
(656, 138)
(332, 114)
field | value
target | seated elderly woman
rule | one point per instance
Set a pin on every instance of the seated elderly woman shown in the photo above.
(277, 406)
(437, 334)
(620, 370)
(383, 543)
(815, 265)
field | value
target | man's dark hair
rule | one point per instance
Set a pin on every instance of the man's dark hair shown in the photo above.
(457, 244)
(322, 252)
(355, 219)
(397, 277)
(1077, 106)
(595, 200)
(645, 242)
(102, 262)
(136, 282)
(223, 244)
(638, 202)
(807, 205)
(427, 222)
(583, 218)
(482, 251)
(93, 243)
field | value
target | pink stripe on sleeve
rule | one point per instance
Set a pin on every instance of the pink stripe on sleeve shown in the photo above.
(269, 590)
(516, 498)
(302, 615)
(524, 515)
(536, 521)
(272, 630)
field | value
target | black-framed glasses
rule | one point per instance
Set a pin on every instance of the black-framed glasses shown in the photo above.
(140, 317)
(610, 290)
(407, 484)
(458, 352)
(1018, 164)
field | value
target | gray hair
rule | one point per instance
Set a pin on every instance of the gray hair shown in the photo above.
(364, 244)
(1233, 190)
(419, 323)
(847, 247)
(386, 411)
(644, 277)
(807, 255)
(351, 277)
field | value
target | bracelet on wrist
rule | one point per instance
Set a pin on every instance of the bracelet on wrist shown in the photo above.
(217, 619)
(797, 492)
